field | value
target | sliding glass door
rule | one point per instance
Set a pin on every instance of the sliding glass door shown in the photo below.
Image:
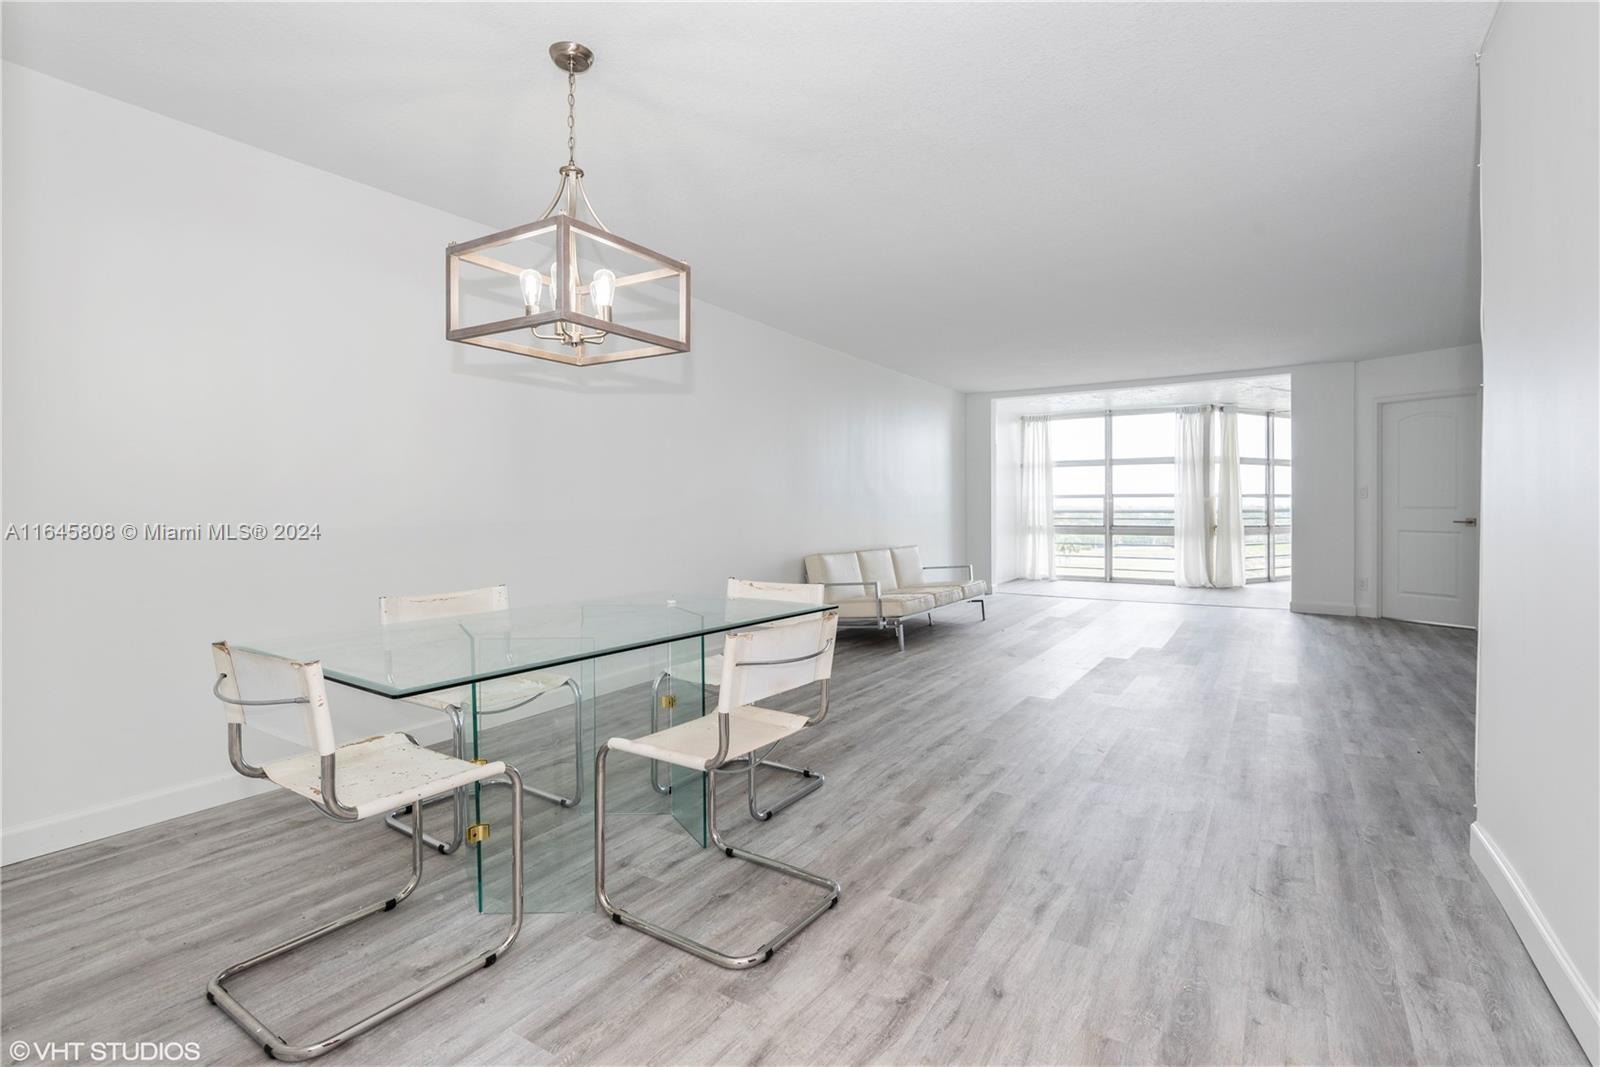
(1113, 489)
(1078, 450)
(1114, 483)
(1266, 483)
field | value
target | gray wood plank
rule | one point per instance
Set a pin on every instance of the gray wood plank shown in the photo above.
(1083, 832)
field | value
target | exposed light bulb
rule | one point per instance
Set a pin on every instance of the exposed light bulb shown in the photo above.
(603, 291)
(530, 290)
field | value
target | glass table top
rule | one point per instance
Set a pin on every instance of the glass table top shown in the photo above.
(405, 659)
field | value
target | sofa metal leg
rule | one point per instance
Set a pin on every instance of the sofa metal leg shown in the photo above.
(277, 1047)
(983, 611)
(900, 634)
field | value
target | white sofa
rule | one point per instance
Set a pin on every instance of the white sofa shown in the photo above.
(883, 587)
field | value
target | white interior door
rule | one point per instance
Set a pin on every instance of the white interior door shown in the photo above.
(1428, 559)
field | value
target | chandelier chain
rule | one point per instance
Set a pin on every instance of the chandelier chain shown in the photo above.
(572, 122)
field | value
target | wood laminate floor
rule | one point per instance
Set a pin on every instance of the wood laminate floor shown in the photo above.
(1254, 595)
(1082, 832)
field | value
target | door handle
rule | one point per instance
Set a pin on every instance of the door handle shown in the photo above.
(1465, 522)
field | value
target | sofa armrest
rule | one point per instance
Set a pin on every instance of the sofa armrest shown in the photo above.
(877, 591)
(953, 567)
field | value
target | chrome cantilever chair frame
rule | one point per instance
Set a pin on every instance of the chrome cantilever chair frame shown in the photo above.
(815, 780)
(490, 598)
(271, 1041)
(720, 760)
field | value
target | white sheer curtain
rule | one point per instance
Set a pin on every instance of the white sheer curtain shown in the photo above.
(1192, 522)
(1227, 550)
(1038, 503)
(1208, 528)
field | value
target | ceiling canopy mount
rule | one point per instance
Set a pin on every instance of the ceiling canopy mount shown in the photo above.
(571, 56)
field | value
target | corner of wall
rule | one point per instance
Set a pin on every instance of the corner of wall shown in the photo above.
(1577, 1002)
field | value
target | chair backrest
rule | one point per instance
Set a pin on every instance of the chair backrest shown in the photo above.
(272, 681)
(438, 605)
(775, 659)
(799, 592)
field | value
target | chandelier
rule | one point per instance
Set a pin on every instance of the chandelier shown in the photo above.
(562, 288)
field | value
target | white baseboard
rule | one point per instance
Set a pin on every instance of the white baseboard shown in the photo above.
(64, 830)
(69, 828)
(1576, 1001)
(1317, 607)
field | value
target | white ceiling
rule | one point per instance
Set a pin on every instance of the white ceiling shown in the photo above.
(989, 196)
(1264, 393)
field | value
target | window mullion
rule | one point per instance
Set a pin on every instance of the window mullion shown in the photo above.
(1271, 539)
(1106, 518)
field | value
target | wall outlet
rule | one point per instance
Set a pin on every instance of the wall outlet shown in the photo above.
(1362, 585)
(1362, 492)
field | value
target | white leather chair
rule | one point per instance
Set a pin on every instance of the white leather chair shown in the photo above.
(692, 673)
(348, 783)
(496, 697)
(755, 664)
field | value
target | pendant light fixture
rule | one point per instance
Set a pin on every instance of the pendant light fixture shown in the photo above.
(562, 288)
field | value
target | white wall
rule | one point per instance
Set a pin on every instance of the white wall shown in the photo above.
(1445, 371)
(1335, 452)
(1335, 467)
(1324, 406)
(200, 331)
(1536, 838)
(980, 487)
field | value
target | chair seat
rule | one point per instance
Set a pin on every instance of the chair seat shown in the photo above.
(693, 744)
(502, 694)
(380, 774)
(689, 670)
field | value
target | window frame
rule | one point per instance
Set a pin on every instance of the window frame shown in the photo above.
(1271, 527)
(1108, 529)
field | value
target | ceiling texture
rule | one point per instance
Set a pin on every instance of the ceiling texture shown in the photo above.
(992, 197)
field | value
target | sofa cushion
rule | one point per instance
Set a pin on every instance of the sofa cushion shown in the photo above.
(976, 587)
(878, 566)
(942, 594)
(907, 565)
(836, 567)
(894, 605)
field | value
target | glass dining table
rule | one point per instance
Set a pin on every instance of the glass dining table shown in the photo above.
(637, 664)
